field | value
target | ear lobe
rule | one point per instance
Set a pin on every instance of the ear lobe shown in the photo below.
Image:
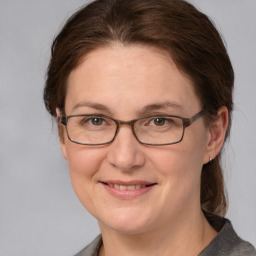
(61, 134)
(217, 134)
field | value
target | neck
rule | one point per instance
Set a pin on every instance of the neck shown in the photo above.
(187, 235)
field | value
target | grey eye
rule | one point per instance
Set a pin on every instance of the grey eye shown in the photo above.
(97, 121)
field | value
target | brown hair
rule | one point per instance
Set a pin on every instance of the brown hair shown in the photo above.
(173, 25)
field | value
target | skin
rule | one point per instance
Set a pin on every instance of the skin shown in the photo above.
(168, 218)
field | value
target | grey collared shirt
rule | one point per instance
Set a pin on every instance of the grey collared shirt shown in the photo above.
(226, 243)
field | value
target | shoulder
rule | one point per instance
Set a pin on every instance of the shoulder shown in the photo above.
(92, 249)
(227, 242)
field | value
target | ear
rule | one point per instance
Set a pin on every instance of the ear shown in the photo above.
(217, 133)
(62, 141)
(61, 134)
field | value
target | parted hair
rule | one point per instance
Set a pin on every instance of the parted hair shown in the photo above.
(175, 26)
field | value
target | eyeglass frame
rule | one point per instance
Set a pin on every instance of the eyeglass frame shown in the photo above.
(63, 120)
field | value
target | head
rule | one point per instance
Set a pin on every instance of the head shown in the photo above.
(171, 29)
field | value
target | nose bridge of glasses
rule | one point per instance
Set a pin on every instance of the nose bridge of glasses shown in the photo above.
(127, 123)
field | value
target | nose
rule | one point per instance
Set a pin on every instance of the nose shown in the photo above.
(126, 152)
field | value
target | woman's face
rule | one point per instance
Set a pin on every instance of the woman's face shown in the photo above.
(127, 82)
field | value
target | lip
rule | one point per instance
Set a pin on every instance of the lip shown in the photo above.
(127, 189)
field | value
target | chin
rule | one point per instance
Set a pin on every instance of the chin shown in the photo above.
(128, 221)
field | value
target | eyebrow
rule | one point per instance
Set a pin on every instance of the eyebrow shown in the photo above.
(145, 110)
(160, 106)
(96, 106)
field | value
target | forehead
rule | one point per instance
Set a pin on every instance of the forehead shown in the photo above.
(135, 76)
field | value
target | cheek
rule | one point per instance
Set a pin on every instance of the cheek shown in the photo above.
(83, 165)
(180, 172)
(177, 160)
(180, 165)
(83, 160)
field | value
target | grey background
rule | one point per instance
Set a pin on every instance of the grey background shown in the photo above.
(39, 212)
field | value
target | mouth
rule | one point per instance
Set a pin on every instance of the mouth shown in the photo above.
(128, 187)
(127, 190)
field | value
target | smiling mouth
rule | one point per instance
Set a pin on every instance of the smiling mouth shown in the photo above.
(128, 187)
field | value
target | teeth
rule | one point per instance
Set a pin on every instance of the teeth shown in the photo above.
(124, 187)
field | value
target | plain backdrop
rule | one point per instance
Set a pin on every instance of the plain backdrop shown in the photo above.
(39, 212)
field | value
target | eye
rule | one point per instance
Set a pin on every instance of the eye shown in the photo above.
(96, 121)
(91, 121)
(159, 121)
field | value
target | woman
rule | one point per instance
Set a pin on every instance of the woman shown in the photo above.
(142, 92)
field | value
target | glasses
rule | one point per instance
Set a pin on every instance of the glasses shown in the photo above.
(95, 130)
